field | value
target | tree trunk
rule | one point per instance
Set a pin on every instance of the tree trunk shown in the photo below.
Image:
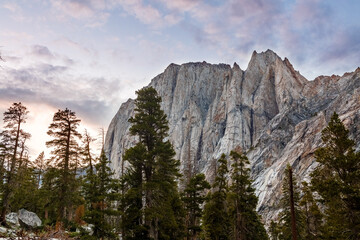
(8, 187)
(292, 207)
(65, 183)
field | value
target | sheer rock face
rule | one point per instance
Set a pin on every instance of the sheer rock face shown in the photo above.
(269, 111)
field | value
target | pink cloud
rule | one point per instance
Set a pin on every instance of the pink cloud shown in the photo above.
(75, 9)
(92, 11)
(143, 12)
(11, 6)
(181, 5)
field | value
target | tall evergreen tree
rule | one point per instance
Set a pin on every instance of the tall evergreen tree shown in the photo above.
(86, 151)
(63, 129)
(101, 192)
(216, 221)
(26, 191)
(291, 219)
(313, 217)
(14, 117)
(246, 223)
(49, 194)
(40, 167)
(337, 180)
(193, 198)
(151, 179)
(274, 230)
(133, 224)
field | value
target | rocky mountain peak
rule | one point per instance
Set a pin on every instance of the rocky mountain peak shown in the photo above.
(269, 111)
(236, 67)
(263, 60)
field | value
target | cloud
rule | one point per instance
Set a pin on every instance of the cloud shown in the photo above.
(344, 43)
(94, 12)
(181, 5)
(16, 35)
(41, 51)
(57, 86)
(68, 43)
(16, 11)
(303, 30)
(11, 6)
(143, 12)
(76, 9)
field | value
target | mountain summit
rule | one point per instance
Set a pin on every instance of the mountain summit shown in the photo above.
(270, 111)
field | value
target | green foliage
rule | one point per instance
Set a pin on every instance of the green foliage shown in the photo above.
(48, 194)
(216, 221)
(274, 230)
(193, 198)
(150, 184)
(337, 180)
(313, 217)
(132, 218)
(285, 204)
(64, 132)
(100, 192)
(245, 222)
(26, 194)
(39, 167)
(12, 149)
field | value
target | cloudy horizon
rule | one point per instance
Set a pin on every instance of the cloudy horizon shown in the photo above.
(92, 55)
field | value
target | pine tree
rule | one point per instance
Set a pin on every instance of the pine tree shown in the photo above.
(48, 193)
(14, 117)
(274, 230)
(63, 129)
(26, 191)
(40, 167)
(291, 219)
(3, 157)
(312, 215)
(246, 223)
(151, 179)
(337, 180)
(193, 198)
(86, 151)
(101, 192)
(216, 221)
(133, 223)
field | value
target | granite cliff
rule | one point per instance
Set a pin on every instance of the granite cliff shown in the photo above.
(270, 111)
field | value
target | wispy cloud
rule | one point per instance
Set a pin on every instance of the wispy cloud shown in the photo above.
(305, 31)
(16, 11)
(41, 51)
(94, 12)
(45, 84)
(146, 13)
(11, 6)
(57, 85)
(105, 49)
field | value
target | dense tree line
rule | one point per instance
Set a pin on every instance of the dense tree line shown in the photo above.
(327, 207)
(73, 187)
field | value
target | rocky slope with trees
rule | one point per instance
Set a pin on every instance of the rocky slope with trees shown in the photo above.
(269, 111)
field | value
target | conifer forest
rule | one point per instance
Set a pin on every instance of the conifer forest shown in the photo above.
(76, 195)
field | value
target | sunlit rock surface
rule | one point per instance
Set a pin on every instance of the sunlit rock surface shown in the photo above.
(269, 111)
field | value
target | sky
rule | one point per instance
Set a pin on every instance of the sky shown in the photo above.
(92, 55)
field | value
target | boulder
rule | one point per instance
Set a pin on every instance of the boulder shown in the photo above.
(12, 219)
(28, 219)
(7, 232)
(88, 229)
(3, 230)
